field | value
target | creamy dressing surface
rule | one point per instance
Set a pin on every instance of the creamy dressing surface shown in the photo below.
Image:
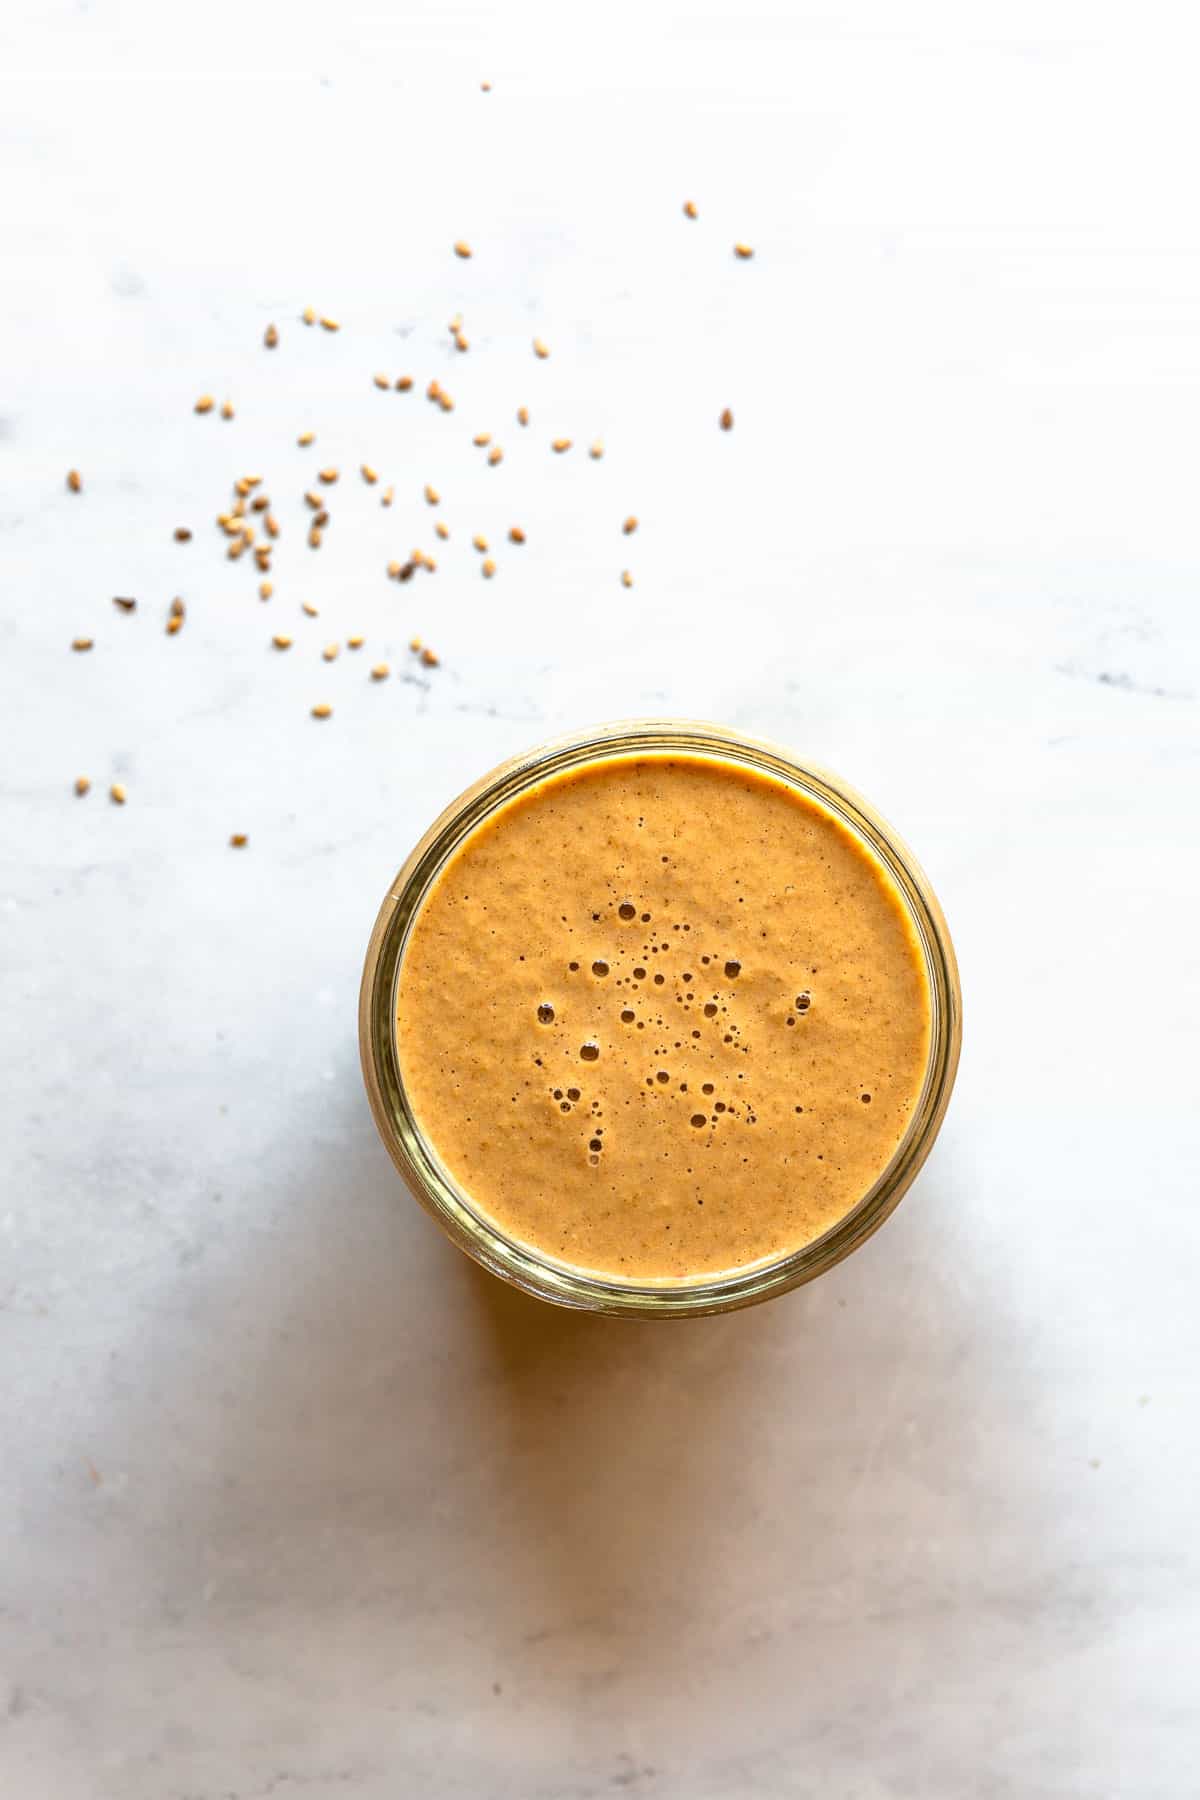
(662, 1019)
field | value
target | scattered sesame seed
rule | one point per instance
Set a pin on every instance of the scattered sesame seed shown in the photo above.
(323, 711)
(626, 578)
(460, 341)
(495, 455)
(442, 530)
(262, 557)
(596, 451)
(744, 251)
(485, 87)
(516, 534)
(260, 503)
(382, 381)
(480, 543)
(393, 570)
(330, 325)
(630, 525)
(522, 415)
(177, 609)
(116, 794)
(328, 476)
(444, 401)
(314, 538)
(369, 475)
(463, 250)
(82, 643)
(558, 445)
(330, 652)
(265, 589)
(541, 348)
(488, 567)
(270, 337)
(306, 438)
(429, 658)
(204, 404)
(125, 602)
(82, 785)
(481, 438)
(309, 316)
(227, 409)
(282, 641)
(407, 571)
(75, 481)
(726, 420)
(414, 645)
(403, 383)
(182, 535)
(306, 606)
(431, 495)
(380, 672)
(689, 210)
(238, 840)
(271, 525)
(355, 643)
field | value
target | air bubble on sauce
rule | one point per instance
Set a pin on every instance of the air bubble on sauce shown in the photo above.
(803, 1001)
(589, 1051)
(599, 967)
(699, 1120)
(710, 1011)
(733, 969)
(627, 1016)
(626, 910)
(707, 1088)
(639, 974)
(545, 1013)
(664, 1075)
(573, 1094)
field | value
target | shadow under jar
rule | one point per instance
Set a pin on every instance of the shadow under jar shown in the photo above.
(657, 1020)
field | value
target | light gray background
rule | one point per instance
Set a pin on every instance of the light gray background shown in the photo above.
(292, 1500)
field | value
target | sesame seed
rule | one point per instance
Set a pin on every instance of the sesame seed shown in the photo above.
(403, 383)
(369, 475)
(82, 643)
(744, 251)
(522, 415)
(82, 785)
(480, 543)
(227, 409)
(306, 606)
(265, 589)
(238, 840)
(495, 455)
(442, 530)
(282, 641)
(305, 439)
(380, 672)
(558, 445)
(387, 496)
(726, 420)
(431, 495)
(270, 337)
(330, 652)
(355, 643)
(481, 438)
(596, 451)
(460, 342)
(382, 381)
(271, 525)
(516, 534)
(330, 325)
(462, 249)
(393, 570)
(414, 644)
(314, 538)
(630, 525)
(75, 481)
(626, 578)
(541, 348)
(204, 404)
(116, 794)
(309, 316)
(125, 602)
(429, 658)
(328, 476)
(689, 210)
(488, 567)
(323, 711)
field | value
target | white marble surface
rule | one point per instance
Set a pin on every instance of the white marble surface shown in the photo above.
(291, 1500)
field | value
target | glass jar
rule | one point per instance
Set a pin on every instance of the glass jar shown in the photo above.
(416, 1158)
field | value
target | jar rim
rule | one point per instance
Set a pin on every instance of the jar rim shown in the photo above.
(415, 1157)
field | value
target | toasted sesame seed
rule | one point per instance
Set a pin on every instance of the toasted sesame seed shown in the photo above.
(260, 503)
(125, 602)
(485, 87)
(480, 543)
(414, 645)
(117, 794)
(227, 409)
(431, 495)
(174, 626)
(597, 450)
(380, 672)
(316, 501)
(82, 643)
(429, 658)
(236, 549)
(182, 535)
(331, 325)
(270, 337)
(238, 840)
(282, 641)
(314, 538)
(330, 652)
(328, 476)
(460, 341)
(241, 488)
(522, 415)
(262, 557)
(442, 530)
(488, 567)
(495, 455)
(726, 420)
(82, 785)
(306, 606)
(75, 481)
(177, 608)
(383, 381)
(744, 251)
(323, 711)
(356, 642)
(541, 348)
(408, 570)
(265, 589)
(271, 525)
(445, 402)
(462, 249)
(369, 475)
(321, 518)
(558, 445)
(393, 570)
(387, 496)
(481, 438)
(204, 404)
(309, 316)
(689, 210)
(630, 525)
(626, 578)
(252, 481)
(305, 439)
(516, 534)
(403, 383)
